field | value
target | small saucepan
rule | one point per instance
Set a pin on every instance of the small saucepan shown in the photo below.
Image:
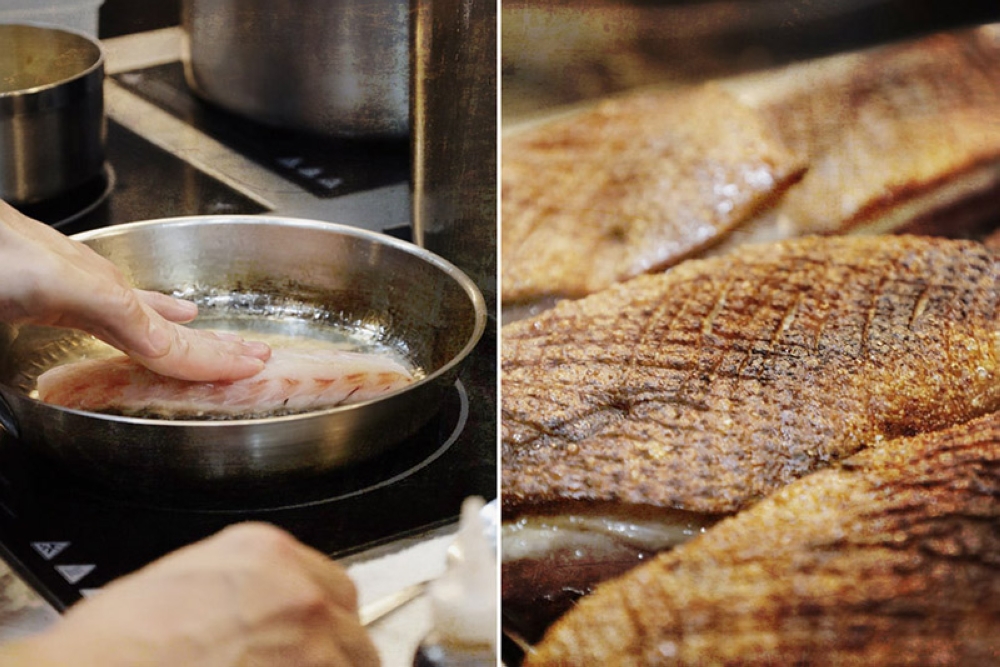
(279, 275)
(52, 124)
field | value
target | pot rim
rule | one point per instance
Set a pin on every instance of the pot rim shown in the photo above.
(53, 94)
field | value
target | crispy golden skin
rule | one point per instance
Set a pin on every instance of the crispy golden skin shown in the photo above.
(899, 123)
(892, 138)
(892, 558)
(710, 386)
(631, 186)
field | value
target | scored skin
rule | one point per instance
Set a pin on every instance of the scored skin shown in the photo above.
(631, 186)
(892, 558)
(709, 386)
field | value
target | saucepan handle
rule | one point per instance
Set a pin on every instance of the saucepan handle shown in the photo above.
(7, 419)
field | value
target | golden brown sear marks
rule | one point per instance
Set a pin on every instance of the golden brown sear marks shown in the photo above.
(631, 186)
(709, 386)
(891, 558)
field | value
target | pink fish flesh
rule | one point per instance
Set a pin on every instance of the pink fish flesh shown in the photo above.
(293, 380)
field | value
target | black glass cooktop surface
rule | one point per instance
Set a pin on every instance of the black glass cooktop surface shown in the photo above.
(324, 166)
(140, 181)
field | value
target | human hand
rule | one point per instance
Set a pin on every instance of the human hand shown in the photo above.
(251, 596)
(48, 278)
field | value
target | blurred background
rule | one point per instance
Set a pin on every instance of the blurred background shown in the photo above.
(120, 17)
(564, 51)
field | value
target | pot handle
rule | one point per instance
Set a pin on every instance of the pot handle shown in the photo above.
(7, 419)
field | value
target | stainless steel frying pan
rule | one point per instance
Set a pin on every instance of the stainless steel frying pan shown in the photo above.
(290, 276)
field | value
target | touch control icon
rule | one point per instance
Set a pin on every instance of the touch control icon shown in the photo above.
(49, 550)
(74, 573)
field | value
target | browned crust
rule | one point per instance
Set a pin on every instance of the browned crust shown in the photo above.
(631, 186)
(710, 386)
(635, 184)
(905, 120)
(892, 558)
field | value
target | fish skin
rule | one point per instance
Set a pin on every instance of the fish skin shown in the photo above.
(630, 186)
(293, 380)
(707, 387)
(890, 558)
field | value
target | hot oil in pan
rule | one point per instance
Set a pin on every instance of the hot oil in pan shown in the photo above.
(300, 333)
(257, 315)
(290, 323)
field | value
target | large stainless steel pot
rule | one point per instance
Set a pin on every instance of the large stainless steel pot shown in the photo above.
(280, 272)
(335, 67)
(52, 127)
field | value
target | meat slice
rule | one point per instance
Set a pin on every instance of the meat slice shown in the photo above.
(891, 135)
(892, 558)
(553, 556)
(709, 386)
(631, 186)
(897, 138)
(295, 379)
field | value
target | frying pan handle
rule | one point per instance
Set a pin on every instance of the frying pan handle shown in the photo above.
(7, 419)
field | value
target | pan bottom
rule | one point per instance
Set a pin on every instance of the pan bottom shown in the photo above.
(274, 491)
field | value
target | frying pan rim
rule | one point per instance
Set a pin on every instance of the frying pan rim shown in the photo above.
(460, 277)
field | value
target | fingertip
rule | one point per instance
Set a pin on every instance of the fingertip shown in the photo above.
(183, 305)
(249, 366)
(258, 350)
(186, 311)
(239, 367)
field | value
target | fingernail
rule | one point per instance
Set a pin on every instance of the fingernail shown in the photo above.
(189, 307)
(257, 349)
(253, 364)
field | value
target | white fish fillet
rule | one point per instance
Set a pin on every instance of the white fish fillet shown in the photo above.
(295, 379)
